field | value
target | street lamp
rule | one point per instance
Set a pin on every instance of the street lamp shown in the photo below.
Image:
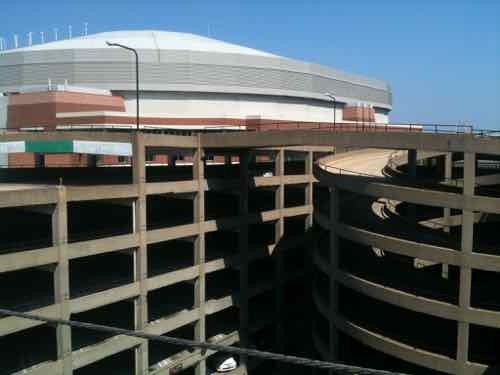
(136, 76)
(327, 94)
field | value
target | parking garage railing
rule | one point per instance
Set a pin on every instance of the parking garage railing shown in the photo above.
(417, 182)
(285, 125)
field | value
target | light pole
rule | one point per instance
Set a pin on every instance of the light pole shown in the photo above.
(334, 108)
(136, 76)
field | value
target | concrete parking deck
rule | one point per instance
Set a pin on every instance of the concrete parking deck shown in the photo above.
(360, 173)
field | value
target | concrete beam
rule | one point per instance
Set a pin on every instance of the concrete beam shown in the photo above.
(103, 192)
(414, 249)
(172, 277)
(175, 141)
(93, 353)
(172, 233)
(189, 196)
(378, 188)
(172, 322)
(392, 140)
(415, 302)
(116, 344)
(45, 368)
(276, 180)
(28, 259)
(28, 196)
(394, 348)
(11, 324)
(101, 246)
(174, 187)
(105, 297)
(186, 358)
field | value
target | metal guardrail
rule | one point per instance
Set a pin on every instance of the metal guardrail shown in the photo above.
(458, 129)
(374, 127)
(436, 182)
(345, 171)
(450, 182)
(420, 182)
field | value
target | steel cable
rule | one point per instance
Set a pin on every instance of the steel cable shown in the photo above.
(336, 367)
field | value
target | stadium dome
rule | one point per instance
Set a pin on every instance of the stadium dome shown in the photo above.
(193, 77)
(155, 40)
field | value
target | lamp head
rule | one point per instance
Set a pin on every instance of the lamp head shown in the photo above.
(108, 43)
(330, 95)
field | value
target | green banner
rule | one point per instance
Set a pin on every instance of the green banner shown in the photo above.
(61, 146)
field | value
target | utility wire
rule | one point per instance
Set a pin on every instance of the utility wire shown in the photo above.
(336, 367)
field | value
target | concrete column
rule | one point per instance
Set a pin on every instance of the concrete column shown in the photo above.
(39, 160)
(199, 252)
(334, 257)
(140, 254)
(309, 187)
(243, 248)
(412, 174)
(172, 158)
(465, 271)
(61, 280)
(279, 231)
(412, 163)
(448, 168)
(92, 161)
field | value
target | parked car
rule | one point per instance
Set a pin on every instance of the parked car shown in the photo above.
(221, 363)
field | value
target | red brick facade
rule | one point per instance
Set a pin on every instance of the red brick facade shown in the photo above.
(65, 160)
(41, 108)
(22, 160)
(356, 113)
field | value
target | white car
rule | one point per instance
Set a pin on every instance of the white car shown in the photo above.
(220, 363)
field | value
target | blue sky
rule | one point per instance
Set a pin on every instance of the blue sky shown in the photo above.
(441, 57)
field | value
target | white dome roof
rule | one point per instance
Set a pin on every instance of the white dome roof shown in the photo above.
(147, 39)
(179, 62)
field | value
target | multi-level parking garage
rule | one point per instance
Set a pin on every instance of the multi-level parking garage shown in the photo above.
(409, 258)
(407, 248)
(403, 244)
(199, 251)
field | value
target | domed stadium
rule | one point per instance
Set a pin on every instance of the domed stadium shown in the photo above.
(186, 81)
